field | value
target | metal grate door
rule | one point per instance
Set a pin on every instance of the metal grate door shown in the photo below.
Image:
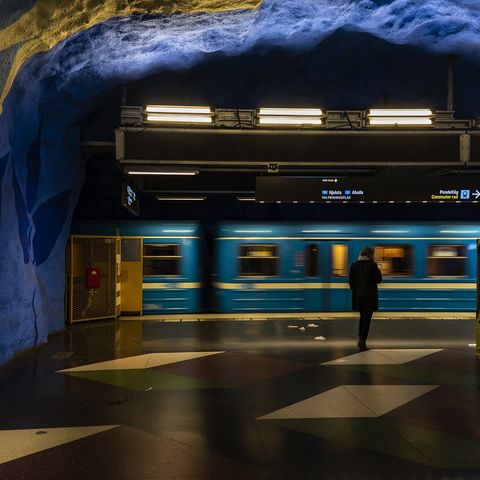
(101, 253)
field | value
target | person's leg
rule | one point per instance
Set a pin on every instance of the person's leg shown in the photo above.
(364, 327)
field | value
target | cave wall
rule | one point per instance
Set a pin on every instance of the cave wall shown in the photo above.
(59, 60)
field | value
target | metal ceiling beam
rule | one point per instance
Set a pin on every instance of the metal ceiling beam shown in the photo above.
(304, 132)
(313, 163)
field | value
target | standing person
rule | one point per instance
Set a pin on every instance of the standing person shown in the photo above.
(363, 279)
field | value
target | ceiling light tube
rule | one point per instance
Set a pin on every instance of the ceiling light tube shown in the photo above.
(304, 112)
(178, 118)
(246, 199)
(400, 121)
(177, 109)
(152, 169)
(181, 199)
(144, 172)
(272, 120)
(400, 112)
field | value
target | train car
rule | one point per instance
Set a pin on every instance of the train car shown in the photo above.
(279, 267)
(160, 264)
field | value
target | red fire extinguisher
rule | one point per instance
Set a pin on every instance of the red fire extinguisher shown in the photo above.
(93, 278)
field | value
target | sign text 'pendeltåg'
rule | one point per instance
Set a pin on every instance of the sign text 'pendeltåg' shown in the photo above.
(371, 189)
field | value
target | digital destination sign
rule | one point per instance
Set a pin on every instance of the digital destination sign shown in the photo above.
(361, 189)
(130, 198)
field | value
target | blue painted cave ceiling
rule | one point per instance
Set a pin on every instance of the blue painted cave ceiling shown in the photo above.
(62, 60)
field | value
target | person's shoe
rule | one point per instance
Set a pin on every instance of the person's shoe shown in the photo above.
(362, 346)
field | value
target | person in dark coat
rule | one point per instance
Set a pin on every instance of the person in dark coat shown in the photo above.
(363, 278)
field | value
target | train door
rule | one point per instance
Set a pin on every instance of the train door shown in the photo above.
(326, 276)
(316, 296)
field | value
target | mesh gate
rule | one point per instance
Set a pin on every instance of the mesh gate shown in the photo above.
(101, 253)
(131, 249)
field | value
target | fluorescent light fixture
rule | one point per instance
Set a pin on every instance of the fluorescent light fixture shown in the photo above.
(160, 170)
(144, 172)
(246, 199)
(290, 112)
(400, 116)
(177, 231)
(321, 231)
(390, 231)
(181, 199)
(400, 121)
(290, 116)
(176, 109)
(290, 121)
(400, 112)
(472, 345)
(178, 118)
(178, 114)
(458, 231)
(252, 231)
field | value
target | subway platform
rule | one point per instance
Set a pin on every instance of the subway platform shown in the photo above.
(287, 398)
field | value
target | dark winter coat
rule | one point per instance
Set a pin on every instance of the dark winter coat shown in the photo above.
(363, 279)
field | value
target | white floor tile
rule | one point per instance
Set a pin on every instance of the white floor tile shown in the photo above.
(20, 443)
(383, 357)
(351, 401)
(406, 355)
(140, 361)
(381, 399)
(335, 403)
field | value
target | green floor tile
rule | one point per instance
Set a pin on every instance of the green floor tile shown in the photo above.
(420, 375)
(408, 442)
(144, 380)
(445, 450)
(372, 434)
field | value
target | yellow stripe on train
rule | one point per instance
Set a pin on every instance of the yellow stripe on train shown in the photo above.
(307, 286)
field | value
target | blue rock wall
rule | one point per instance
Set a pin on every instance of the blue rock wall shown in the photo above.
(41, 162)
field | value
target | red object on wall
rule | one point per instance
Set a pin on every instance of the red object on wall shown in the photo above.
(93, 278)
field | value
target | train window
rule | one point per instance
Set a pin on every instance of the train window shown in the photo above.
(394, 260)
(447, 261)
(161, 259)
(311, 267)
(258, 260)
(339, 260)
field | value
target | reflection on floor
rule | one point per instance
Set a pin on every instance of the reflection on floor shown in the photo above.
(235, 400)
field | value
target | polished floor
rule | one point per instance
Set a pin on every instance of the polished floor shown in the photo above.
(279, 399)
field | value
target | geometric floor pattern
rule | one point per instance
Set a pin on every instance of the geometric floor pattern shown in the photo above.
(185, 370)
(19, 443)
(350, 401)
(384, 356)
(426, 446)
(127, 453)
(236, 400)
(140, 361)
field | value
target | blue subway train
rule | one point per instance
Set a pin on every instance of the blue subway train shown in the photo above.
(287, 267)
(304, 267)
